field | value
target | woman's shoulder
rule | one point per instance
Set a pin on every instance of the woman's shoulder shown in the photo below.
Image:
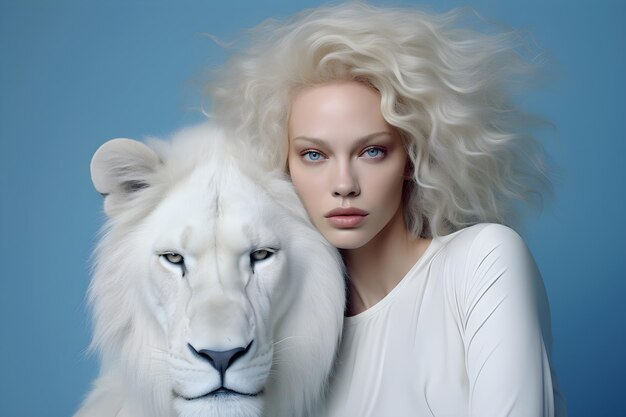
(483, 252)
(483, 238)
(484, 231)
(485, 264)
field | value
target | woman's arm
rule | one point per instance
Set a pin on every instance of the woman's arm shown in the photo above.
(506, 330)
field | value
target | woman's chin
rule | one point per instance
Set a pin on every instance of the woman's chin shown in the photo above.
(347, 239)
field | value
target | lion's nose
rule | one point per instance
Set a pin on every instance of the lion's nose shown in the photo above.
(221, 360)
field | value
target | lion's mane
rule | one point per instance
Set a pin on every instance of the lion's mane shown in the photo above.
(130, 344)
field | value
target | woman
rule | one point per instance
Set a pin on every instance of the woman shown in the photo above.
(402, 141)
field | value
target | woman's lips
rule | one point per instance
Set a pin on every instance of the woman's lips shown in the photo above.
(346, 218)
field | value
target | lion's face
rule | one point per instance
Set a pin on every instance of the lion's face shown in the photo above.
(217, 278)
(212, 292)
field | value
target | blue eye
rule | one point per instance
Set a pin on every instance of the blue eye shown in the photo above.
(312, 156)
(373, 152)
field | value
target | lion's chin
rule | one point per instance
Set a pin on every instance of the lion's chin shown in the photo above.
(223, 404)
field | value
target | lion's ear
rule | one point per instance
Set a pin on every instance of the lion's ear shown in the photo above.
(120, 168)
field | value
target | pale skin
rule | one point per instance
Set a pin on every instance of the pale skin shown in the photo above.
(344, 156)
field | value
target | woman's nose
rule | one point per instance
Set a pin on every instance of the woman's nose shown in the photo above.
(345, 182)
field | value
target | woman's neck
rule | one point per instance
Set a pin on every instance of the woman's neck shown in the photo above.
(377, 267)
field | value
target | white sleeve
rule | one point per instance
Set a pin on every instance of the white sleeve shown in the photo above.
(505, 320)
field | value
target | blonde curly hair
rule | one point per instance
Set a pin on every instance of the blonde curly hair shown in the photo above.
(446, 88)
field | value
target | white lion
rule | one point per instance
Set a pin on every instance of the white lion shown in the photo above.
(212, 294)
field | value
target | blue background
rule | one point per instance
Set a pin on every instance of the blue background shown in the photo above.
(74, 74)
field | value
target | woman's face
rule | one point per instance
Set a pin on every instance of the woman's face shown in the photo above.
(346, 162)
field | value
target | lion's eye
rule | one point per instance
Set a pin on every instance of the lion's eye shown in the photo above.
(174, 258)
(261, 255)
(169, 259)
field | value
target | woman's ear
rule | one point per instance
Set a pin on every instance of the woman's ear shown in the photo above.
(119, 169)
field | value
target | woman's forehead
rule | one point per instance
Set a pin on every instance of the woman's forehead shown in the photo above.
(347, 109)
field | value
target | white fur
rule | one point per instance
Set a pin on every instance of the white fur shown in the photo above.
(201, 197)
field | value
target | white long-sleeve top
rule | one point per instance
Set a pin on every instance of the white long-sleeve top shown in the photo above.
(465, 333)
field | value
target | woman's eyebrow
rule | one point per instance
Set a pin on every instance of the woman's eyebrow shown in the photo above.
(359, 141)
